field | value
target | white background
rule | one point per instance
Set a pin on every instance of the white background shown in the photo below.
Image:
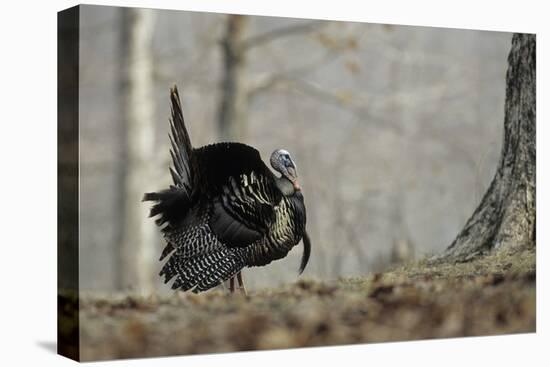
(28, 182)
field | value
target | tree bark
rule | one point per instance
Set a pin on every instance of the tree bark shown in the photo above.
(137, 252)
(234, 95)
(505, 218)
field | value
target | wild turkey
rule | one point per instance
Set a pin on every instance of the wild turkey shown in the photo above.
(225, 211)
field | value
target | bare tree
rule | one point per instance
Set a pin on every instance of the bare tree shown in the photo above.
(236, 92)
(233, 105)
(505, 217)
(137, 250)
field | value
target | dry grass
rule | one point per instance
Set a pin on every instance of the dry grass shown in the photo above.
(492, 295)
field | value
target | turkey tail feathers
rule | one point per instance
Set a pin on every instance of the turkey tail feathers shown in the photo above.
(181, 148)
(172, 204)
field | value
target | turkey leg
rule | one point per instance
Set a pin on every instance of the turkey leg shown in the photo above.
(232, 285)
(241, 283)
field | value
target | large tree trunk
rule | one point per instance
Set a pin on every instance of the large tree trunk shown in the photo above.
(505, 217)
(136, 256)
(234, 96)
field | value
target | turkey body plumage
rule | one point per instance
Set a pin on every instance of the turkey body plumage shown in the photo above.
(226, 210)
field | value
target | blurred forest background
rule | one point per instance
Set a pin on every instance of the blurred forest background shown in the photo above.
(396, 131)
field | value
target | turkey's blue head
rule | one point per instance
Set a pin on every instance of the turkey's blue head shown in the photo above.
(282, 162)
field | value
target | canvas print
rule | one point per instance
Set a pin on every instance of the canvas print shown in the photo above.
(233, 183)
